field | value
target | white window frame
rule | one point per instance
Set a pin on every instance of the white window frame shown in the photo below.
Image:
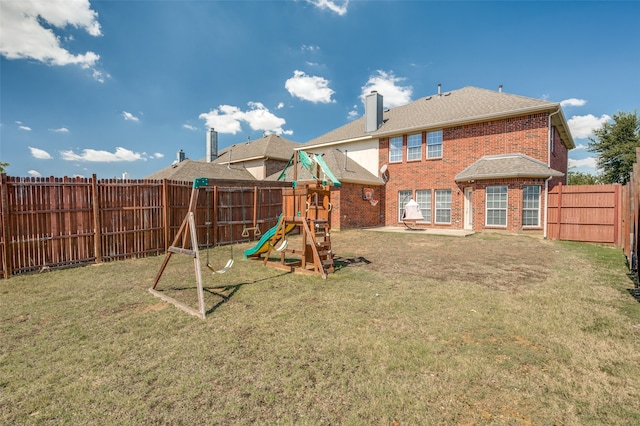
(434, 144)
(404, 196)
(395, 151)
(496, 205)
(443, 205)
(423, 198)
(414, 147)
(531, 203)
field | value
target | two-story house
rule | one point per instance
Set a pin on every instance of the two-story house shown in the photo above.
(472, 158)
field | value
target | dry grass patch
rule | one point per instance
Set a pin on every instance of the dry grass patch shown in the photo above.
(418, 329)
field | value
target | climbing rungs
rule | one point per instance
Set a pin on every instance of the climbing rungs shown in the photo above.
(179, 250)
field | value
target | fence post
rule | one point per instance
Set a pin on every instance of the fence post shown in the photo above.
(616, 214)
(255, 207)
(559, 210)
(97, 225)
(6, 236)
(165, 213)
(216, 234)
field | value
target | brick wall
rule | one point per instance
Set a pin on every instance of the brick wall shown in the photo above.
(461, 147)
(349, 210)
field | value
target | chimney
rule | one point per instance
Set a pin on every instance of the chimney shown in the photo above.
(500, 88)
(180, 156)
(439, 86)
(212, 145)
(372, 111)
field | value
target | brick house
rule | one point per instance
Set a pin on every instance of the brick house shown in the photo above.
(247, 161)
(472, 158)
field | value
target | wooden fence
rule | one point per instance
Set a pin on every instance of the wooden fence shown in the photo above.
(59, 222)
(589, 213)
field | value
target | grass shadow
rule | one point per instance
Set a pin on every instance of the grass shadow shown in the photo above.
(226, 292)
(340, 262)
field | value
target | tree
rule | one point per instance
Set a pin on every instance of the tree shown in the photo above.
(615, 143)
(3, 166)
(582, 178)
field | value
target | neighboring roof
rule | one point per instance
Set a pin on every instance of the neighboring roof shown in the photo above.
(466, 105)
(188, 170)
(506, 166)
(353, 173)
(269, 147)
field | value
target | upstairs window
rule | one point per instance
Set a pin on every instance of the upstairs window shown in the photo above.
(395, 149)
(414, 147)
(497, 206)
(434, 144)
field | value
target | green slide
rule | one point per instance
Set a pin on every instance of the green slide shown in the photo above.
(263, 244)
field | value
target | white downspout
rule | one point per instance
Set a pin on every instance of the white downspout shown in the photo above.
(546, 182)
(546, 205)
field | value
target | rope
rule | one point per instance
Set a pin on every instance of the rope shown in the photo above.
(208, 223)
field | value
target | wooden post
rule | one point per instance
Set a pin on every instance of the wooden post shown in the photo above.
(165, 213)
(6, 233)
(255, 207)
(559, 210)
(616, 214)
(97, 226)
(216, 235)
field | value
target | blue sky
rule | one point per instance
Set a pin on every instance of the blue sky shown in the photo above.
(109, 87)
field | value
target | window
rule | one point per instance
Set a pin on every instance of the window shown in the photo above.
(423, 198)
(403, 198)
(496, 206)
(414, 147)
(395, 149)
(443, 206)
(434, 144)
(531, 205)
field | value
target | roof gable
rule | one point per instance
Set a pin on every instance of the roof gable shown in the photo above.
(188, 170)
(270, 146)
(506, 166)
(466, 105)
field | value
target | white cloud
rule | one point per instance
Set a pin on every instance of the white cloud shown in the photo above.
(157, 155)
(590, 162)
(310, 48)
(280, 105)
(309, 88)
(580, 146)
(40, 154)
(339, 7)
(388, 85)
(60, 130)
(34, 173)
(189, 127)
(229, 119)
(25, 128)
(573, 102)
(99, 156)
(582, 126)
(129, 117)
(353, 114)
(25, 37)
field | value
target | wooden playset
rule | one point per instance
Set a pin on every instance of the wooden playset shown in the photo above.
(306, 208)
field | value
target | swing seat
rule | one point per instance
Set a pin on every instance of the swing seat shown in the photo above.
(283, 246)
(223, 270)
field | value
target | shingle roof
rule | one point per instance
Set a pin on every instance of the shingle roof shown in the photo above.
(271, 146)
(352, 173)
(506, 166)
(188, 170)
(469, 104)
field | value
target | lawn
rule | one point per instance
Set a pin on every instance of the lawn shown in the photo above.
(410, 329)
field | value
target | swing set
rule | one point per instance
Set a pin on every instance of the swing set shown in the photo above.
(186, 243)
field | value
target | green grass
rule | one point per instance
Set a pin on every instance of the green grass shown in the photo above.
(419, 329)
